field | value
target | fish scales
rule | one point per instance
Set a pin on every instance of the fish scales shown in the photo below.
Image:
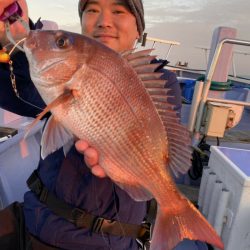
(109, 121)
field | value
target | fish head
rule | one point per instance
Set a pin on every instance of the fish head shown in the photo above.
(54, 57)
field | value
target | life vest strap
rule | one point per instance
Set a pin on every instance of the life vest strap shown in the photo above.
(82, 218)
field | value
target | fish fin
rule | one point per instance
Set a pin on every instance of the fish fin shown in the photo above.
(126, 53)
(38, 118)
(54, 137)
(140, 61)
(155, 86)
(179, 157)
(68, 146)
(59, 100)
(151, 77)
(171, 227)
(180, 151)
(131, 55)
(177, 135)
(75, 83)
(31, 126)
(137, 193)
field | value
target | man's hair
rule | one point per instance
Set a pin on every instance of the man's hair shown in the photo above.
(135, 6)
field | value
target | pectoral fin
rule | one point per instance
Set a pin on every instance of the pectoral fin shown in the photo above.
(54, 137)
(59, 100)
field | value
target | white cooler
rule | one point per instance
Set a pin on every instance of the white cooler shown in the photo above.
(224, 196)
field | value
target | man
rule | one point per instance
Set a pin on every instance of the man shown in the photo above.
(69, 184)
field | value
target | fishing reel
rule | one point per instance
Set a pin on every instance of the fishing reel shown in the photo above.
(10, 15)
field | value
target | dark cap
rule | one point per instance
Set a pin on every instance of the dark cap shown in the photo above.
(135, 6)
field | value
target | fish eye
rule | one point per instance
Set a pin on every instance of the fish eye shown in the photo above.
(62, 42)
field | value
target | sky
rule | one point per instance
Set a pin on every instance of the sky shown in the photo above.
(190, 22)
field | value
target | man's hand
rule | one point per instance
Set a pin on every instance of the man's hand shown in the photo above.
(16, 29)
(91, 158)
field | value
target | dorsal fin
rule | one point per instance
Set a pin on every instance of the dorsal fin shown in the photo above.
(151, 76)
(154, 83)
(163, 105)
(177, 135)
(158, 92)
(141, 61)
(146, 68)
(126, 53)
(131, 55)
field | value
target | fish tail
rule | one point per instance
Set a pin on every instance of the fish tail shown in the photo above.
(171, 227)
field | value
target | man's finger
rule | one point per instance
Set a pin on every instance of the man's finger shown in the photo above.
(98, 171)
(91, 157)
(5, 4)
(81, 146)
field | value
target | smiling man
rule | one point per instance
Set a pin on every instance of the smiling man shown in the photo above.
(112, 22)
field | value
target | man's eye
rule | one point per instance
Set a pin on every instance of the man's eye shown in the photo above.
(92, 10)
(118, 12)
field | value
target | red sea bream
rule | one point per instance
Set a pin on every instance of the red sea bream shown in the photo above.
(120, 106)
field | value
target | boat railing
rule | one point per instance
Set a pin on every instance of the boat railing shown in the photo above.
(155, 41)
(200, 97)
(234, 70)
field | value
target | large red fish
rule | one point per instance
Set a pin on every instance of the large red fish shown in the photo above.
(119, 105)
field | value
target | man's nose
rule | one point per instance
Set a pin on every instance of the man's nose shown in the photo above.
(105, 19)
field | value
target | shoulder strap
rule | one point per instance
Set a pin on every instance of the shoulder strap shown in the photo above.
(80, 217)
(151, 211)
(149, 221)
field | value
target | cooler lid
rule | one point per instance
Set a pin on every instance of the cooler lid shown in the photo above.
(240, 158)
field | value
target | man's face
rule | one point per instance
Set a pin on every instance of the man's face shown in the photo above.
(111, 23)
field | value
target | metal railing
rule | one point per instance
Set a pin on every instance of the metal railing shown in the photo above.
(145, 39)
(206, 50)
(201, 90)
